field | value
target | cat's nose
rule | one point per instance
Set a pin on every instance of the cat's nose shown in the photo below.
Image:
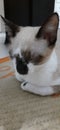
(21, 66)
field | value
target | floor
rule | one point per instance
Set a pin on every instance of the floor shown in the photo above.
(21, 110)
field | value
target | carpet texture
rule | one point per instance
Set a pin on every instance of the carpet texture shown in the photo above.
(21, 110)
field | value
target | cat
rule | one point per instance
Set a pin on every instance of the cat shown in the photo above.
(32, 50)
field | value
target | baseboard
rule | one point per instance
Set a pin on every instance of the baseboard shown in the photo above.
(5, 59)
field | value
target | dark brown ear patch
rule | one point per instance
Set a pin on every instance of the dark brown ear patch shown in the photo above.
(11, 30)
(49, 29)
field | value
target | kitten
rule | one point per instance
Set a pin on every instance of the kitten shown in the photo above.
(32, 50)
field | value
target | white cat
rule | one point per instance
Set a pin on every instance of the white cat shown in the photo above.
(32, 50)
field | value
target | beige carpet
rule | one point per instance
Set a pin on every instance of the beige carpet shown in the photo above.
(24, 111)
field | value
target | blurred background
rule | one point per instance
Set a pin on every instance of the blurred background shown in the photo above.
(28, 12)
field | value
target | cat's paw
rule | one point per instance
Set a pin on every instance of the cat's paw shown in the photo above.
(25, 85)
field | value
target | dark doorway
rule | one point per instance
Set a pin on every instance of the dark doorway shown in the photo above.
(28, 12)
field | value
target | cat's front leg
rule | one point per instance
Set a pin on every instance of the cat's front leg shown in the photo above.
(43, 91)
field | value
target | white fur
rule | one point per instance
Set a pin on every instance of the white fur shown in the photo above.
(40, 90)
(40, 77)
(41, 74)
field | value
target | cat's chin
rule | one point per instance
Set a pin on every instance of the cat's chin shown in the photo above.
(18, 77)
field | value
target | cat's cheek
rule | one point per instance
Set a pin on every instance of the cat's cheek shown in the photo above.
(31, 68)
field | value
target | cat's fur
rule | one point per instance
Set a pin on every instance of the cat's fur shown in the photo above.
(32, 50)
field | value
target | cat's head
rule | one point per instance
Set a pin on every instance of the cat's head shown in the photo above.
(31, 46)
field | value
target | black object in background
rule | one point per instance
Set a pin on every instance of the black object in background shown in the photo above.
(28, 12)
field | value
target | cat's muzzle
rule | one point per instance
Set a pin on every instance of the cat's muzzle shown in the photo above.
(21, 66)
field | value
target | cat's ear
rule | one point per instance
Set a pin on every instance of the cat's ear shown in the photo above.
(49, 29)
(10, 28)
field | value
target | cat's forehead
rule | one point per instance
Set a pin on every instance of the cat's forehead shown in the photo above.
(27, 33)
(26, 40)
(27, 36)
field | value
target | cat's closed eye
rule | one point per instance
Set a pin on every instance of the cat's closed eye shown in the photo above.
(37, 59)
(32, 58)
(26, 55)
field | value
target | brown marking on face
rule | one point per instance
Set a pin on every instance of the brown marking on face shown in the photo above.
(35, 58)
(28, 57)
(41, 59)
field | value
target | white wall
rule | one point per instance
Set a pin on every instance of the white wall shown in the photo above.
(1, 13)
(3, 51)
(57, 9)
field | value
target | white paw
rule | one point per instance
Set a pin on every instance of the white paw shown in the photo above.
(25, 85)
